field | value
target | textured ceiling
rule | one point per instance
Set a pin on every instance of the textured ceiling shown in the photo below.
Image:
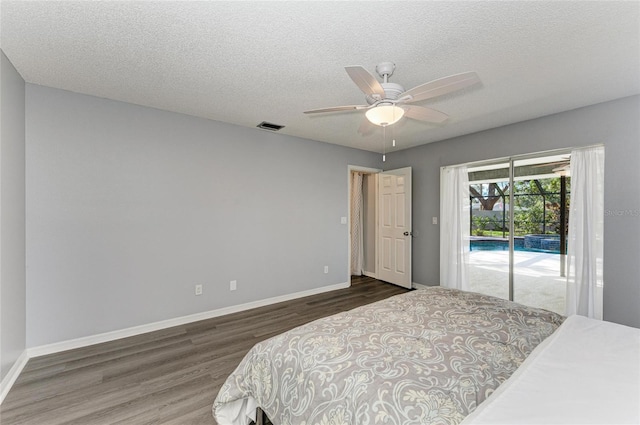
(245, 62)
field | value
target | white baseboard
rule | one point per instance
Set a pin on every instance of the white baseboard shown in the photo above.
(13, 374)
(369, 274)
(419, 285)
(137, 330)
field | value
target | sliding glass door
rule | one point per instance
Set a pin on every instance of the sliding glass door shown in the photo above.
(541, 200)
(519, 210)
(489, 245)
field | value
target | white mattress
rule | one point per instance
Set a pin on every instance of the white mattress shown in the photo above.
(586, 372)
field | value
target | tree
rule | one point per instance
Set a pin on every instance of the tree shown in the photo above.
(481, 223)
(537, 205)
(493, 195)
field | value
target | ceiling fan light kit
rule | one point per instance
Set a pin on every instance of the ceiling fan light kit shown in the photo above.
(384, 115)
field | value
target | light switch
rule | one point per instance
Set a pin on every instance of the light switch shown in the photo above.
(343, 220)
(434, 220)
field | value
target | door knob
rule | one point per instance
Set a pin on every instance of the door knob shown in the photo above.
(408, 233)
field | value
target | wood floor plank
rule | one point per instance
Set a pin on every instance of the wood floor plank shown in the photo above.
(167, 377)
(102, 349)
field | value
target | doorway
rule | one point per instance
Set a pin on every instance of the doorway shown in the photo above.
(380, 225)
(362, 223)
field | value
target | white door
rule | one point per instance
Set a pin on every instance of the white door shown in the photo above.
(394, 227)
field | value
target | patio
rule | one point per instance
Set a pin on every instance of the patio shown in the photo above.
(537, 280)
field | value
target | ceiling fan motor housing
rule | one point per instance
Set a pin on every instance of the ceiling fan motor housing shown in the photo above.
(385, 68)
(391, 91)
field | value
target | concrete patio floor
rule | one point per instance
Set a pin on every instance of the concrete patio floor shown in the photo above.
(537, 280)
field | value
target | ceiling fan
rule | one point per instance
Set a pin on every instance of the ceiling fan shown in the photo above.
(388, 102)
(561, 167)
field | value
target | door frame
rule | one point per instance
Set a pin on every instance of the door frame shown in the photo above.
(510, 162)
(367, 170)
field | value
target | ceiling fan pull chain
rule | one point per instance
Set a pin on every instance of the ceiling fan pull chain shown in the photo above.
(393, 139)
(393, 143)
(384, 137)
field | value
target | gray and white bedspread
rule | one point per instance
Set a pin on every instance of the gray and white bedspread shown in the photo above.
(425, 357)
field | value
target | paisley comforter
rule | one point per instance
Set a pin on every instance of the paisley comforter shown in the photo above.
(425, 357)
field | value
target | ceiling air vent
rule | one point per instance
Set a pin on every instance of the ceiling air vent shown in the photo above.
(270, 126)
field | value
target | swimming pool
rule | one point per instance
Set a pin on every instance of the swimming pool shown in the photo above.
(533, 243)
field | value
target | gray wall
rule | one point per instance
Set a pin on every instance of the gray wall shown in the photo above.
(129, 207)
(615, 124)
(12, 216)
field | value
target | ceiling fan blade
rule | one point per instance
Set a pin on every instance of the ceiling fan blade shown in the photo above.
(425, 114)
(337, 109)
(441, 86)
(549, 164)
(365, 81)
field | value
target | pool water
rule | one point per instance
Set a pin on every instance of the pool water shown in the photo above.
(503, 245)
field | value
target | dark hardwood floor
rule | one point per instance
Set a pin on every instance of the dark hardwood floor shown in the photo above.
(170, 376)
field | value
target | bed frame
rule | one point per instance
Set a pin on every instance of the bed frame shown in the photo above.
(261, 417)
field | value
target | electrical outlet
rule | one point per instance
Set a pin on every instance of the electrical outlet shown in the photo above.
(326, 269)
(198, 289)
(233, 285)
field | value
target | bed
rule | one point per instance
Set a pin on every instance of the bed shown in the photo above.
(429, 356)
(587, 372)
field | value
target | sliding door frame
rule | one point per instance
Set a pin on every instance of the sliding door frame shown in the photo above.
(512, 226)
(510, 160)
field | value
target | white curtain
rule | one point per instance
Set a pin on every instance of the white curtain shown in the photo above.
(585, 239)
(357, 244)
(454, 227)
